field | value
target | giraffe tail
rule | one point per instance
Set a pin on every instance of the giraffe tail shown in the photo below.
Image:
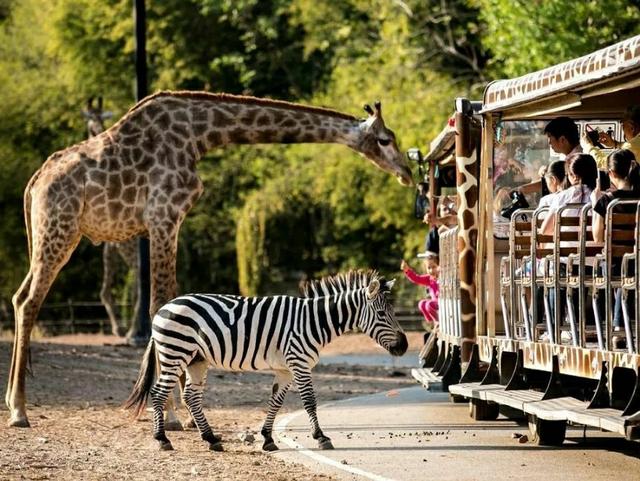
(138, 398)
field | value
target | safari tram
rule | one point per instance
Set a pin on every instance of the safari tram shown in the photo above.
(503, 282)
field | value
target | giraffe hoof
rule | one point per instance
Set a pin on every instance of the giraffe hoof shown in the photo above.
(216, 447)
(189, 424)
(166, 446)
(18, 422)
(173, 426)
(270, 446)
(325, 444)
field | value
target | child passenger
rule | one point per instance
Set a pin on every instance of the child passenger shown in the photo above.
(582, 174)
(428, 307)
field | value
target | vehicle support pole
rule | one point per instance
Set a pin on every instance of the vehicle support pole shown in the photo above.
(467, 147)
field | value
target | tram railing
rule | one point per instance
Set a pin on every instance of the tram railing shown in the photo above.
(570, 262)
(449, 297)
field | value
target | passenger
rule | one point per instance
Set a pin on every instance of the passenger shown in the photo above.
(624, 173)
(582, 175)
(631, 131)
(555, 178)
(428, 307)
(563, 136)
(625, 176)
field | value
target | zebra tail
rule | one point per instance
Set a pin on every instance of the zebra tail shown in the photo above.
(138, 398)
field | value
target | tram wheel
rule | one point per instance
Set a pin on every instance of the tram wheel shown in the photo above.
(456, 398)
(547, 433)
(483, 410)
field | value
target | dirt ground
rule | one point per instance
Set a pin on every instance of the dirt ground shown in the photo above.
(79, 430)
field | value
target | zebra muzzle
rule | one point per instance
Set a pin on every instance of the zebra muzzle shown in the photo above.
(400, 346)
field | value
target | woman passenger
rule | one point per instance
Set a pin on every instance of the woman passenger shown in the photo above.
(624, 174)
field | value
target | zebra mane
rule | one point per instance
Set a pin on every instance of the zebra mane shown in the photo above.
(346, 281)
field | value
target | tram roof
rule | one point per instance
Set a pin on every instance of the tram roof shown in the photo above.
(441, 149)
(568, 85)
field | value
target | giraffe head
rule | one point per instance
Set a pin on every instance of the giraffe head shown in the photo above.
(378, 144)
(95, 117)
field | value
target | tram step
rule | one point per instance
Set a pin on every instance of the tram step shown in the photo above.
(427, 378)
(573, 410)
(474, 389)
(515, 398)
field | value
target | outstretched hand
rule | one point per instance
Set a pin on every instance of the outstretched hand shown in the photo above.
(585, 142)
(606, 140)
(403, 265)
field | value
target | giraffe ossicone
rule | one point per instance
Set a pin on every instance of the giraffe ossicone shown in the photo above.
(139, 178)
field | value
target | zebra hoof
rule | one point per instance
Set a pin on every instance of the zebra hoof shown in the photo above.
(216, 447)
(270, 446)
(173, 425)
(166, 446)
(325, 444)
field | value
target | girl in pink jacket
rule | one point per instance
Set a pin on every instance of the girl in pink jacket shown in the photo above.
(428, 307)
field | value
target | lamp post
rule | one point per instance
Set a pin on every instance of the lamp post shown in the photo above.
(144, 324)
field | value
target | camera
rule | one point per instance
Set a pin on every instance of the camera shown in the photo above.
(594, 137)
(518, 201)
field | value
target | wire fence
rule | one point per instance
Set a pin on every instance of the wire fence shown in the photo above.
(90, 317)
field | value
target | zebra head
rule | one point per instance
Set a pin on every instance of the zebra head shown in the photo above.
(378, 320)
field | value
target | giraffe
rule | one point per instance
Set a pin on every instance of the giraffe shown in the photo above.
(113, 251)
(139, 178)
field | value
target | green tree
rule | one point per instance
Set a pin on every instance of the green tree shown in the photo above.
(524, 36)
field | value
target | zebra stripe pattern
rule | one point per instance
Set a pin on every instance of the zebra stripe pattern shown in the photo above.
(280, 333)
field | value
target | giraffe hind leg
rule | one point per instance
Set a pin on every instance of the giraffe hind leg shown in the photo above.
(51, 251)
(192, 395)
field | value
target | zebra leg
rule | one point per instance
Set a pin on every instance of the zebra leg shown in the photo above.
(159, 394)
(302, 378)
(171, 421)
(192, 396)
(281, 384)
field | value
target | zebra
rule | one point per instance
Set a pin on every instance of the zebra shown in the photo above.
(280, 333)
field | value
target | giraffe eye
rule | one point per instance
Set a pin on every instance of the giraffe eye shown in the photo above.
(384, 142)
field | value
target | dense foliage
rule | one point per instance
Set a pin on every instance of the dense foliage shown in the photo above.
(272, 215)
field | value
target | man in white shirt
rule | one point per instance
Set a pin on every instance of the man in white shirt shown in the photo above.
(563, 136)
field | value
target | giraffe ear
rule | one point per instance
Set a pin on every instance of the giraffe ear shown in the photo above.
(90, 103)
(368, 109)
(373, 289)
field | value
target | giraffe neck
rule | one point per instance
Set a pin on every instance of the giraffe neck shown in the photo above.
(200, 122)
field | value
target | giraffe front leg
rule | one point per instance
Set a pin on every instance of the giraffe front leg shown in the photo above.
(106, 297)
(302, 378)
(281, 384)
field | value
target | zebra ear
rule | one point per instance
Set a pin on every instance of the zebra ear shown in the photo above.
(373, 289)
(389, 285)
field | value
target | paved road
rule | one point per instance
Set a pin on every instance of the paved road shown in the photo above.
(412, 434)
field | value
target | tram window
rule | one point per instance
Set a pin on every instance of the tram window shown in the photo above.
(520, 149)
